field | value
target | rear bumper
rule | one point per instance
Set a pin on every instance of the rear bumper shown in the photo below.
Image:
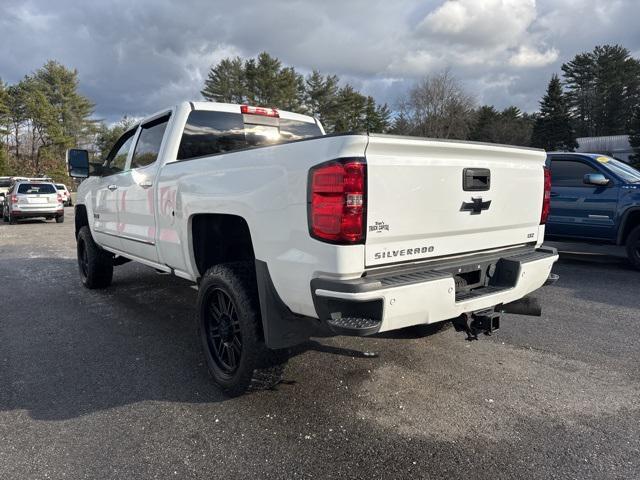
(40, 212)
(409, 295)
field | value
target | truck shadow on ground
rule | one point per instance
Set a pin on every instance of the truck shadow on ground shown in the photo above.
(68, 351)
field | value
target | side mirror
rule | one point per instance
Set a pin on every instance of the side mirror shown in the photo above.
(596, 179)
(78, 163)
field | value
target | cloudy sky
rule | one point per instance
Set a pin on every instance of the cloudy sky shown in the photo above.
(137, 56)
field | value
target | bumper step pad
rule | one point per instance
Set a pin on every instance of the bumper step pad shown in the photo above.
(354, 326)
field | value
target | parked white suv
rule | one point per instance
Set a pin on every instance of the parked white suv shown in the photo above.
(290, 234)
(26, 199)
(64, 192)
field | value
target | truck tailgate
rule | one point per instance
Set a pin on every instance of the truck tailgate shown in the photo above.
(417, 206)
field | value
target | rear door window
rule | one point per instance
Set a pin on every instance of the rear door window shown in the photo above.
(36, 188)
(570, 173)
(149, 142)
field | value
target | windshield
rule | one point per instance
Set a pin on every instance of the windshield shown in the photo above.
(36, 188)
(60, 187)
(621, 169)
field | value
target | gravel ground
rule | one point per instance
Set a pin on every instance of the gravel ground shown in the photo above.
(111, 384)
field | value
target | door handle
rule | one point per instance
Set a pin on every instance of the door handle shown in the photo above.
(554, 194)
(112, 187)
(146, 183)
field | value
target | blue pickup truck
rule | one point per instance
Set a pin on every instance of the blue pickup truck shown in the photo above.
(595, 198)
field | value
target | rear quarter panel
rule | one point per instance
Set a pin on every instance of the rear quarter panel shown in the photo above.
(267, 187)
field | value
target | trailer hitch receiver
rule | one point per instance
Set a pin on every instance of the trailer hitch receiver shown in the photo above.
(482, 321)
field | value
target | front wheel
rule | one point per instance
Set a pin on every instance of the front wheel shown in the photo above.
(633, 247)
(230, 331)
(94, 263)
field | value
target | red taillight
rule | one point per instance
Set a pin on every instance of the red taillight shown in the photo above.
(337, 201)
(267, 112)
(59, 197)
(546, 199)
(14, 199)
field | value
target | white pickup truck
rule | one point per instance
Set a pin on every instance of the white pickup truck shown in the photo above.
(290, 233)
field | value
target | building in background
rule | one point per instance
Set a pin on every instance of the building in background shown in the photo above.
(616, 146)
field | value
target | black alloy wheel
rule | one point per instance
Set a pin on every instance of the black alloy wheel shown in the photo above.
(223, 330)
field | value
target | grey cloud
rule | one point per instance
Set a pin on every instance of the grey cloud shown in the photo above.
(137, 57)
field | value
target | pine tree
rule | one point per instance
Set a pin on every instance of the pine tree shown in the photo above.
(58, 114)
(225, 82)
(321, 97)
(552, 129)
(485, 125)
(271, 85)
(603, 87)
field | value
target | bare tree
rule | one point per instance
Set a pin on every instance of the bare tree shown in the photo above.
(437, 107)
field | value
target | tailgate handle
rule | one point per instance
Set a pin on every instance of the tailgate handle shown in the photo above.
(476, 179)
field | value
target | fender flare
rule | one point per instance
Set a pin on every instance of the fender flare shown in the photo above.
(623, 223)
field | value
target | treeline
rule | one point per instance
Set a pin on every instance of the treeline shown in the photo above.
(44, 114)
(264, 81)
(598, 93)
(40, 117)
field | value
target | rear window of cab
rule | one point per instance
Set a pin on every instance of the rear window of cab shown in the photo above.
(210, 132)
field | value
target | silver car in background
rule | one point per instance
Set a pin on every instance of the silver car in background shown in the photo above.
(33, 199)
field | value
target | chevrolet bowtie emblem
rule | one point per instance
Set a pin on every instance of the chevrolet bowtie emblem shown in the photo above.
(476, 206)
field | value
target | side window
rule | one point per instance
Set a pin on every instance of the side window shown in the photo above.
(117, 158)
(208, 133)
(149, 142)
(569, 173)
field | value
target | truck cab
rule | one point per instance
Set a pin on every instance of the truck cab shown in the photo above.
(595, 198)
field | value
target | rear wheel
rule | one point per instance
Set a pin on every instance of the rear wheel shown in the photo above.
(60, 219)
(94, 263)
(633, 247)
(12, 220)
(230, 331)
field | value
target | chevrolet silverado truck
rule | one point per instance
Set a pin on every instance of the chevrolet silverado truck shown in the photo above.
(289, 233)
(595, 199)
